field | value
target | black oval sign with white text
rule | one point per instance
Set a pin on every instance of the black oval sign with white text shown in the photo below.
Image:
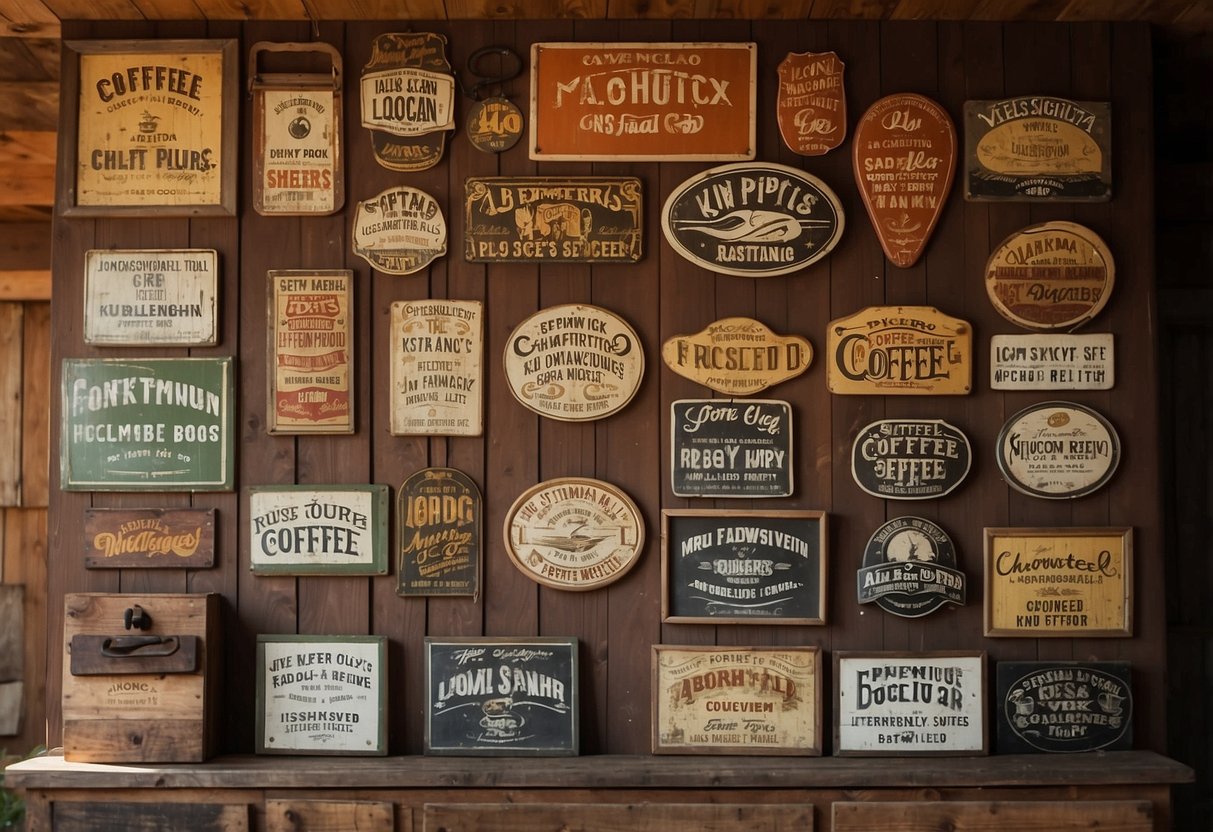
(910, 459)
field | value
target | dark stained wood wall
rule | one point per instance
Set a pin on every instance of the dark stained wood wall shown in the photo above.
(661, 296)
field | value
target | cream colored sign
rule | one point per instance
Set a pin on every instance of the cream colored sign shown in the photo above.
(153, 297)
(300, 156)
(899, 350)
(437, 387)
(401, 231)
(737, 356)
(1052, 362)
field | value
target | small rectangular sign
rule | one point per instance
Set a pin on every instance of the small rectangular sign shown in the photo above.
(1052, 362)
(149, 538)
(318, 530)
(437, 387)
(150, 297)
(439, 530)
(730, 448)
(1063, 706)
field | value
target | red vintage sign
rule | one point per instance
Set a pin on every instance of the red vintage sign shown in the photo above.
(812, 104)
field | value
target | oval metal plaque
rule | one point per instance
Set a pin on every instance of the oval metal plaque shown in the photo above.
(753, 219)
(1058, 450)
(737, 356)
(401, 231)
(1064, 706)
(574, 533)
(910, 459)
(812, 104)
(909, 569)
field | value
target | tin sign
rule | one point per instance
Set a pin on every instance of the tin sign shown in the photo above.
(1058, 450)
(737, 356)
(408, 99)
(574, 533)
(437, 382)
(722, 448)
(1052, 362)
(318, 530)
(149, 538)
(439, 517)
(909, 569)
(899, 350)
(494, 125)
(910, 459)
(401, 231)
(150, 297)
(812, 104)
(754, 219)
(1064, 706)
(553, 219)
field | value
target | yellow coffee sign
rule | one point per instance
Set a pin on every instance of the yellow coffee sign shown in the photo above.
(737, 356)
(899, 350)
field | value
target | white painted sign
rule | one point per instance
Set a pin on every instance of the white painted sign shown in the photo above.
(333, 529)
(437, 387)
(152, 297)
(1052, 362)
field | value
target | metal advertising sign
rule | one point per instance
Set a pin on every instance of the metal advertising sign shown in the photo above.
(437, 382)
(439, 519)
(737, 356)
(310, 353)
(899, 350)
(1038, 148)
(743, 567)
(408, 99)
(401, 231)
(494, 125)
(909, 569)
(1057, 450)
(149, 424)
(318, 530)
(149, 538)
(910, 704)
(1064, 706)
(574, 533)
(150, 297)
(488, 696)
(553, 219)
(910, 459)
(1052, 362)
(904, 158)
(721, 448)
(737, 700)
(812, 104)
(754, 219)
(1064, 582)
(643, 101)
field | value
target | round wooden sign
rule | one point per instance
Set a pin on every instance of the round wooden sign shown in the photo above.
(1052, 276)
(1058, 450)
(574, 533)
(574, 362)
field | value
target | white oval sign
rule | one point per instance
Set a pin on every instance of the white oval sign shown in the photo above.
(1058, 450)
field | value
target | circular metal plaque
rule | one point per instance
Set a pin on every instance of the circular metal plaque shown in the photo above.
(1058, 450)
(909, 569)
(494, 125)
(574, 533)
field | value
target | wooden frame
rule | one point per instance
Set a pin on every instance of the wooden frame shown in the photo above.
(287, 523)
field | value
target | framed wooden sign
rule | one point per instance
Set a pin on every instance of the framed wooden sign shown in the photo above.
(721, 448)
(899, 704)
(910, 459)
(574, 533)
(1057, 450)
(155, 128)
(493, 696)
(310, 351)
(553, 219)
(148, 424)
(899, 350)
(437, 376)
(643, 101)
(737, 700)
(1063, 706)
(1062, 582)
(401, 231)
(910, 569)
(1052, 362)
(439, 534)
(149, 538)
(318, 529)
(322, 695)
(151, 297)
(743, 567)
(407, 97)
(811, 106)
(737, 356)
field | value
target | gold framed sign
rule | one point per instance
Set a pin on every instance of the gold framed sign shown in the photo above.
(436, 381)
(155, 127)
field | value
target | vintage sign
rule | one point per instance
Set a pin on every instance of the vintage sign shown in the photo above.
(150, 297)
(401, 231)
(909, 569)
(488, 696)
(322, 695)
(721, 448)
(910, 459)
(643, 101)
(148, 424)
(755, 219)
(574, 362)
(298, 167)
(553, 219)
(408, 99)
(737, 356)
(1052, 276)
(1038, 148)
(1066, 582)
(744, 567)
(494, 125)
(899, 350)
(574, 533)
(1057, 450)
(439, 533)
(904, 154)
(310, 351)
(910, 704)
(1052, 362)
(318, 530)
(1064, 706)
(149, 538)
(811, 106)
(436, 377)
(156, 128)
(737, 700)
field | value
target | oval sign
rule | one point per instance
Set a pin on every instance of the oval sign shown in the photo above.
(574, 533)
(401, 231)
(737, 356)
(1058, 450)
(1056, 275)
(910, 459)
(494, 125)
(753, 219)
(574, 362)
(909, 569)
(1064, 706)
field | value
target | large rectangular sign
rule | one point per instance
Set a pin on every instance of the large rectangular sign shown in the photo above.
(318, 530)
(723, 448)
(153, 297)
(1052, 362)
(437, 387)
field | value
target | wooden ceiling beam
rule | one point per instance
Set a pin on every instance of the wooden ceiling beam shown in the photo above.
(28, 19)
(25, 261)
(30, 105)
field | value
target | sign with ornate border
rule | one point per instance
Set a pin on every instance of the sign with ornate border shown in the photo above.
(437, 376)
(1057, 450)
(910, 569)
(910, 459)
(407, 99)
(149, 538)
(899, 350)
(401, 231)
(811, 107)
(439, 532)
(1063, 706)
(1052, 362)
(737, 356)
(722, 448)
(151, 297)
(318, 529)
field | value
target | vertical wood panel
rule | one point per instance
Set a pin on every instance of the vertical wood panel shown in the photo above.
(35, 421)
(24, 555)
(11, 329)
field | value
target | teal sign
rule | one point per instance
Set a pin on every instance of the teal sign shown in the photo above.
(154, 424)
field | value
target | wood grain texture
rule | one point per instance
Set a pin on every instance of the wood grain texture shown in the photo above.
(645, 817)
(11, 390)
(1040, 816)
(329, 816)
(80, 816)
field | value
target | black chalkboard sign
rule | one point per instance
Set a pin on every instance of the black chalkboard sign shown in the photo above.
(728, 448)
(490, 696)
(910, 459)
(760, 567)
(1064, 706)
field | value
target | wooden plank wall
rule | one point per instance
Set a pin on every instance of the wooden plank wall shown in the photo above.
(661, 296)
